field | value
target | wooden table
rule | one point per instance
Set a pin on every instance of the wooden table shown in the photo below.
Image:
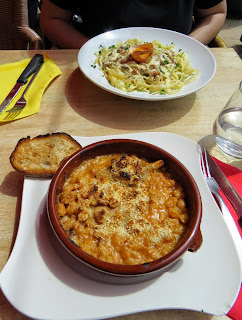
(74, 105)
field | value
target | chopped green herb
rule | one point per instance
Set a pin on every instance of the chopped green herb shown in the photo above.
(93, 65)
(162, 91)
(166, 61)
(112, 47)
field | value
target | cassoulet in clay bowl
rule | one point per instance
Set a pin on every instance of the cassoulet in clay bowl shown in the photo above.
(125, 209)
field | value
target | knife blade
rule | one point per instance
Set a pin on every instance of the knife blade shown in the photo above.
(23, 78)
(230, 224)
(224, 184)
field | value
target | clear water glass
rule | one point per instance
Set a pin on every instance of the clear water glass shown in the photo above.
(228, 125)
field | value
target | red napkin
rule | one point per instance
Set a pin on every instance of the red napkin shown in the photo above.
(234, 176)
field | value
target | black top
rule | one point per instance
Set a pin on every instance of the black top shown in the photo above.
(100, 16)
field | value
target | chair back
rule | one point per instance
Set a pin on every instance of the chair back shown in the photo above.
(14, 27)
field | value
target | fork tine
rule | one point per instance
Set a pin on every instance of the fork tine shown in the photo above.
(207, 163)
(11, 115)
(16, 108)
(202, 161)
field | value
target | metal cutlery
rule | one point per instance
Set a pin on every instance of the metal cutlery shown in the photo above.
(211, 182)
(214, 188)
(23, 78)
(21, 103)
(224, 184)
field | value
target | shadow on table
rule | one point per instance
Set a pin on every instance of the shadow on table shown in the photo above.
(12, 186)
(7, 311)
(110, 110)
(209, 142)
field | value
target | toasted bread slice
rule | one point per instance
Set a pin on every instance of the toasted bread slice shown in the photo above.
(41, 156)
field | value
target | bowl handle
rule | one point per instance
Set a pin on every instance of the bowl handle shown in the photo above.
(196, 241)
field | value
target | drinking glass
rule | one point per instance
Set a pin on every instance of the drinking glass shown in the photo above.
(228, 125)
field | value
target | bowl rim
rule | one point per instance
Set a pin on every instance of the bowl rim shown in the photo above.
(118, 269)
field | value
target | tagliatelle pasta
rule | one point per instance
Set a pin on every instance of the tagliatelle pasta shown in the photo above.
(166, 72)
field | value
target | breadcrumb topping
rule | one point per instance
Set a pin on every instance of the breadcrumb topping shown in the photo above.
(123, 209)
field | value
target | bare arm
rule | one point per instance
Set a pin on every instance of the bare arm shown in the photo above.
(55, 24)
(209, 22)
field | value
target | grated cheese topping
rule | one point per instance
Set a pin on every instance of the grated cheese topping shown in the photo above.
(123, 209)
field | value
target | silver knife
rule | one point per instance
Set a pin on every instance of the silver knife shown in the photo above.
(28, 71)
(224, 184)
(214, 189)
(231, 226)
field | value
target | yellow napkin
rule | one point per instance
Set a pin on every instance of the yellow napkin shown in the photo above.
(9, 74)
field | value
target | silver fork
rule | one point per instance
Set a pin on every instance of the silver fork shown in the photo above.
(212, 184)
(21, 103)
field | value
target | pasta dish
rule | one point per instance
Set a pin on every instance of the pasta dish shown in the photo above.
(147, 67)
(123, 209)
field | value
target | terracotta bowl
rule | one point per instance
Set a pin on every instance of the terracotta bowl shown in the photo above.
(192, 239)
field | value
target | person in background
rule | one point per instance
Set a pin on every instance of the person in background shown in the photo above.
(33, 13)
(70, 23)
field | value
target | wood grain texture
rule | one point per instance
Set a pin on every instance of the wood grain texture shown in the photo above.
(76, 106)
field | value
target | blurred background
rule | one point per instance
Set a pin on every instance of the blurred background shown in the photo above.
(19, 26)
